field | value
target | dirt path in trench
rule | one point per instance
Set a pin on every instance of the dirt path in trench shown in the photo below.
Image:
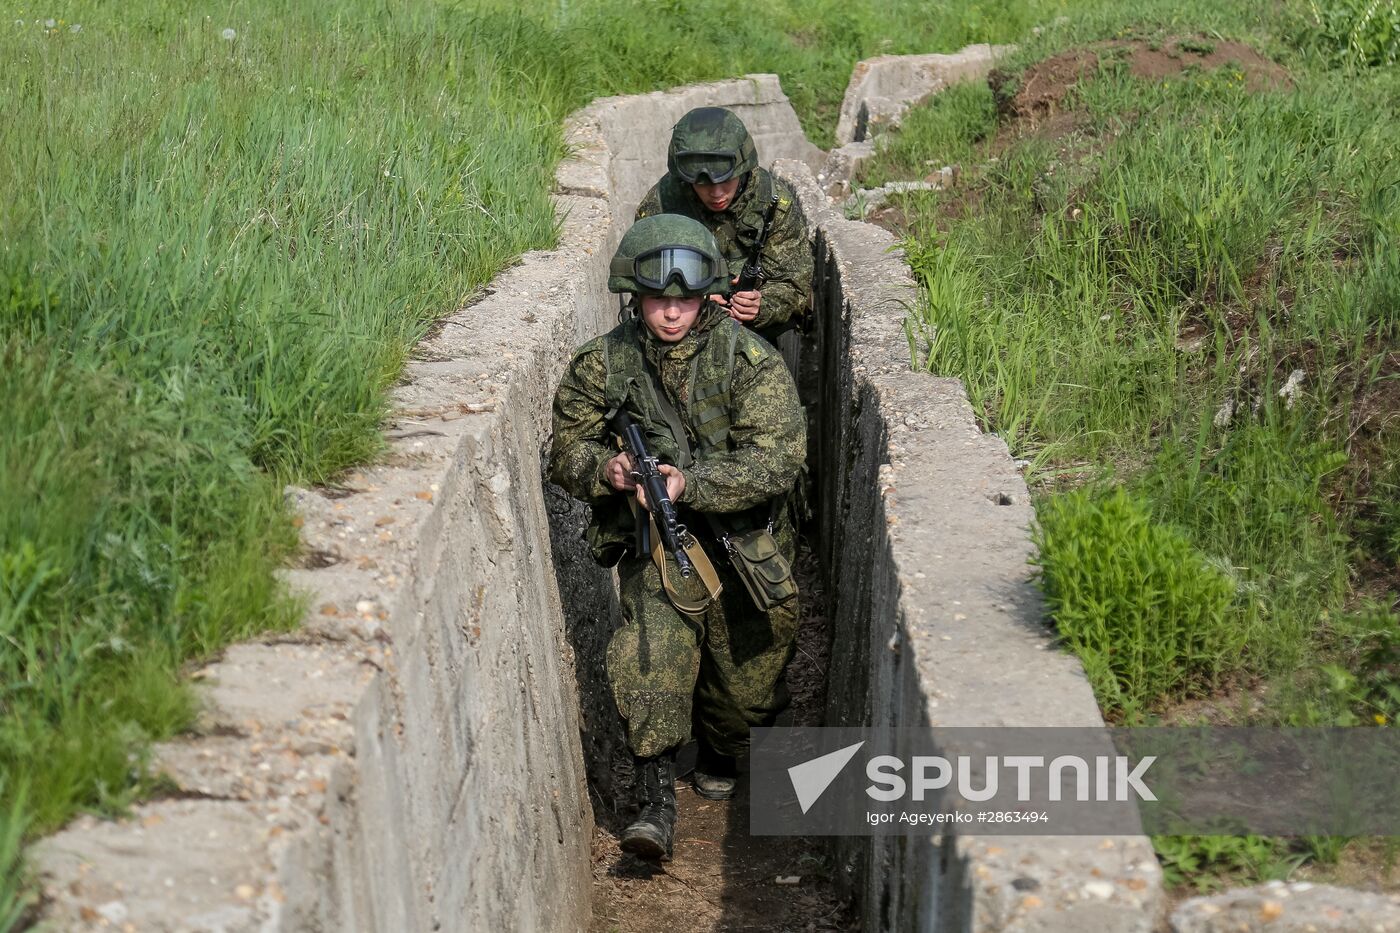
(721, 878)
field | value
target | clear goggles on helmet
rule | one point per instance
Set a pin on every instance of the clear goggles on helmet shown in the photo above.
(715, 167)
(657, 268)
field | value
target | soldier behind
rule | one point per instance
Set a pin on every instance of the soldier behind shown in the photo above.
(713, 176)
(717, 406)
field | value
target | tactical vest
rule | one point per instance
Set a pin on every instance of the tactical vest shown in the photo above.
(701, 424)
(675, 434)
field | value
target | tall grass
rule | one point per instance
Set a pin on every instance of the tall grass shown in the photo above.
(220, 234)
(1128, 301)
(1131, 305)
(1145, 611)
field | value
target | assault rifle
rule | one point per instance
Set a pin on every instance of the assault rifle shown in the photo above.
(648, 476)
(753, 274)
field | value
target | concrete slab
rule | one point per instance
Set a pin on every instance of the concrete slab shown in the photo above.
(882, 88)
(122, 876)
(928, 520)
(1298, 907)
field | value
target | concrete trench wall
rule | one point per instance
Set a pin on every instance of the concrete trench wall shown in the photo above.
(881, 89)
(411, 759)
(937, 620)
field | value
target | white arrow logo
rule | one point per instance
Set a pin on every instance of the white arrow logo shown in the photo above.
(811, 778)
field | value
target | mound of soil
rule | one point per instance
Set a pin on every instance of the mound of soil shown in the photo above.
(1037, 104)
(1042, 89)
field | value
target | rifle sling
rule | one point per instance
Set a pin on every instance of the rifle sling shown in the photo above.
(668, 411)
(703, 568)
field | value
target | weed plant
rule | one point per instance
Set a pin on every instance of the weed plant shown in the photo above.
(1147, 614)
(1357, 33)
(1215, 862)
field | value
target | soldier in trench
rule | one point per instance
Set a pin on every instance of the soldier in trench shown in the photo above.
(719, 409)
(713, 176)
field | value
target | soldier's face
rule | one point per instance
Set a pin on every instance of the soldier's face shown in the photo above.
(670, 319)
(717, 197)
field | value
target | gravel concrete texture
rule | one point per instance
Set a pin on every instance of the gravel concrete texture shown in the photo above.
(1299, 907)
(927, 519)
(839, 170)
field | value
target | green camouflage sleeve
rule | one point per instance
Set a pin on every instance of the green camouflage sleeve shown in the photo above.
(580, 447)
(769, 431)
(651, 204)
(787, 258)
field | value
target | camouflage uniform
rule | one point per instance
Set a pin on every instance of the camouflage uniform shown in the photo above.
(721, 671)
(787, 256)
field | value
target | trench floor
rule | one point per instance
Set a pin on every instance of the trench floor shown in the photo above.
(721, 878)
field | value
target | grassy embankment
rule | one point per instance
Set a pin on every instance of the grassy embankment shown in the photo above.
(221, 235)
(1178, 298)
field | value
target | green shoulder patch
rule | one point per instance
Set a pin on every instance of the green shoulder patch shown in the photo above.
(754, 352)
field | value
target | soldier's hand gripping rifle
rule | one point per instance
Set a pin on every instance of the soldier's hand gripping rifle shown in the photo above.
(753, 273)
(648, 475)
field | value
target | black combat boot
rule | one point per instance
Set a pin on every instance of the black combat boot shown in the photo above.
(652, 832)
(715, 775)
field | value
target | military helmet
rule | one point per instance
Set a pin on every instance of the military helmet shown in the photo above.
(712, 145)
(667, 254)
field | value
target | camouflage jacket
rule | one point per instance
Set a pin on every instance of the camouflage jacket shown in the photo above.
(756, 458)
(787, 257)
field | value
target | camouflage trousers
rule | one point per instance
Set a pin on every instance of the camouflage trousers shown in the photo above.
(718, 675)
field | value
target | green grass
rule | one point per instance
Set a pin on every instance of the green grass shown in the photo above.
(1189, 248)
(216, 254)
(1211, 863)
(946, 132)
(1125, 304)
(1147, 613)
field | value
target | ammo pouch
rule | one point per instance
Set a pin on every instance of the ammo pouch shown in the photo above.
(761, 567)
(764, 571)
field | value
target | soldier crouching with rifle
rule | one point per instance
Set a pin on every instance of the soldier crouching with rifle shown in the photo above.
(683, 431)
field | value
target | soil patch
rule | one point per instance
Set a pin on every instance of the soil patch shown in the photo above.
(721, 878)
(1038, 104)
(1041, 91)
(1365, 864)
(1237, 702)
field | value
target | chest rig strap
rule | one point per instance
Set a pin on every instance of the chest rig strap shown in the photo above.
(636, 381)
